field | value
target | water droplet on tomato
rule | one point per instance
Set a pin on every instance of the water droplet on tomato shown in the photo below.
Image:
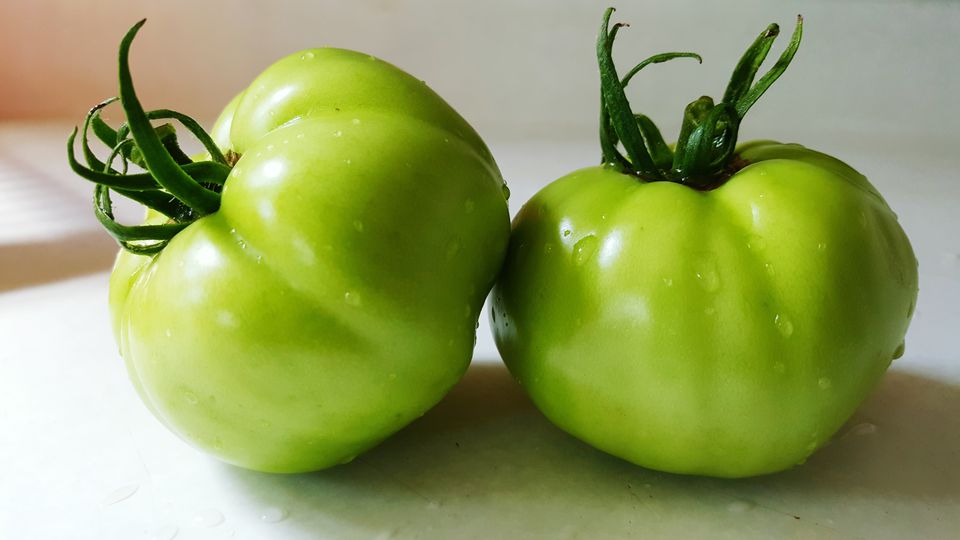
(901, 348)
(307, 55)
(355, 121)
(299, 135)
(120, 494)
(358, 225)
(709, 279)
(453, 247)
(584, 249)
(780, 367)
(566, 232)
(273, 514)
(337, 133)
(668, 282)
(756, 242)
(824, 383)
(769, 269)
(190, 397)
(168, 332)
(348, 161)
(505, 190)
(351, 298)
(709, 310)
(784, 325)
(548, 248)
(208, 518)
(822, 246)
(392, 376)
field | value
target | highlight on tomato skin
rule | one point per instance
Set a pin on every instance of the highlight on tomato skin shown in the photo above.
(713, 307)
(311, 284)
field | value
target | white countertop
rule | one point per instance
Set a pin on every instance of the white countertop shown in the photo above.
(82, 458)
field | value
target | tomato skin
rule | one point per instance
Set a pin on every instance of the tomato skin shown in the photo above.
(334, 296)
(728, 332)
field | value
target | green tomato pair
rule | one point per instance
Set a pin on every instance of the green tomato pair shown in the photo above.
(313, 283)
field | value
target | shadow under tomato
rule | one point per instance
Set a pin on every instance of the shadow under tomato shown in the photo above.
(485, 463)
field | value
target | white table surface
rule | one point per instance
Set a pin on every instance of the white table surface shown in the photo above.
(82, 458)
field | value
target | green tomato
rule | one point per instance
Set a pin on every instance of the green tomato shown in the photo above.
(334, 296)
(728, 332)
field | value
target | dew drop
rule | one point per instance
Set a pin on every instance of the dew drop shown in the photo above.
(265, 424)
(273, 514)
(168, 332)
(270, 146)
(433, 505)
(901, 348)
(351, 299)
(548, 248)
(709, 279)
(208, 518)
(218, 443)
(348, 161)
(780, 367)
(358, 225)
(392, 376)
(348, 459)
(299, 135)
(566, 233)
(120, 494)
(822, 246)
(355, 121)
(453, 247)
(584, 249)
(307, 55)
(756, 242)
(784, 325)
(769, 268)
(469, 205)
(709, 310)
(824, 383)
(166, 532)
(338, 133)
(668, 282)
(740, 506)
(190, 397)
(505, 190)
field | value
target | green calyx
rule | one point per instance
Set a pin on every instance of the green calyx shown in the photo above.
(174, 185)
(704, 154)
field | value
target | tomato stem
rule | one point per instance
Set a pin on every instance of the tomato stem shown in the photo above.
(173, 184)
(704, 153)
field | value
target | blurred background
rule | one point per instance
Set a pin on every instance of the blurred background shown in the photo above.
(515, 69)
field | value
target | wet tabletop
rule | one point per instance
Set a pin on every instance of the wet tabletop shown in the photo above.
(82, 458)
